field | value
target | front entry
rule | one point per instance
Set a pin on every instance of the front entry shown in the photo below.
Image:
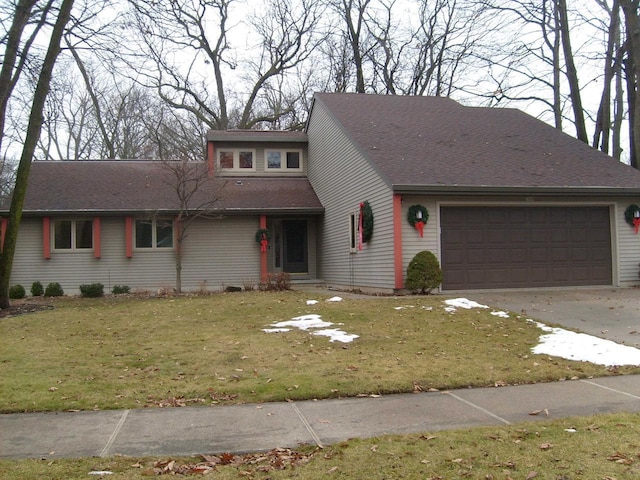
(294, 248)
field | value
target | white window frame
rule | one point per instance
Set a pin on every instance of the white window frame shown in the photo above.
(154, 234)
(354, 230)
(74, 240)
(236, 159)
(283, 159)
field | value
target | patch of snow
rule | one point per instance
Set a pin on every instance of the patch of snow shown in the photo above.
(335, 299)
(581, 347)
(304, 322)
(276, 330)
(312, 302)
(403, 307)
(500, 314)
(336, 335)
(463, 303)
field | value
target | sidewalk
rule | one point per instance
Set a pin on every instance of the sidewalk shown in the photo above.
(260, 427)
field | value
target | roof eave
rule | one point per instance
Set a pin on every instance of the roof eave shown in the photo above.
(485, 190)
(214, 212)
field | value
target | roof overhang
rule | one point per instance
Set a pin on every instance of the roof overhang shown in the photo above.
(487, 190)
(262, 136)
(217, 213)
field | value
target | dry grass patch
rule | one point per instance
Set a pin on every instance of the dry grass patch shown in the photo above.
(127, 353)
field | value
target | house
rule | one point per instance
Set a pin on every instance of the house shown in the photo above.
(502, 199)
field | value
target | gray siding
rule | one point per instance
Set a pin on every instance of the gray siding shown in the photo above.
(261, 167)
(628, 248)
(216, 253)
(342, 178)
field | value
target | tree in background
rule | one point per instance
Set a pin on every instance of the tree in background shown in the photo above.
(25, 9)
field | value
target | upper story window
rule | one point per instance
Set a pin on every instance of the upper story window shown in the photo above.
(154, 233)
(72, 234)
(283, 159)
(236, 159)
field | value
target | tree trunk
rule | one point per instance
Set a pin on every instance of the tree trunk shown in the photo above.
(30, 143)
(572, 73)
(632, 23)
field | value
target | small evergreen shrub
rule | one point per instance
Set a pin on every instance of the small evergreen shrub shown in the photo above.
(16, 292)
(54, 289)
(92, 290)
(423, 273)
(37, 290)
(120, 289)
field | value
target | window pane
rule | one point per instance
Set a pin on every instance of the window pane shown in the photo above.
(62, 234)
(246, 159)
(226, 159)
(164, 234)
(293, 159)
(84, 234)
(144, 234)
(273, 160)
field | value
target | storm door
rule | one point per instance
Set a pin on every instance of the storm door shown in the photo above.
(295, 252)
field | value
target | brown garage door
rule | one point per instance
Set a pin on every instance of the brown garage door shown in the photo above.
(511, 247)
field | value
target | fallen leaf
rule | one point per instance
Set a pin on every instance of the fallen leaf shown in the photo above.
(332, 470)
(546, 446)
(532, 475)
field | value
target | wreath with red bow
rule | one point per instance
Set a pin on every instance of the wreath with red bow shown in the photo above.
(263, 236)
(417, 217)
(632, 216)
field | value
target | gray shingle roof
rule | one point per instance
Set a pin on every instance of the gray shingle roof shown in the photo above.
(145, 186)
(435, 142)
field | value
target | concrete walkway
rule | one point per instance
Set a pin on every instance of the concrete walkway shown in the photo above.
(259, 427)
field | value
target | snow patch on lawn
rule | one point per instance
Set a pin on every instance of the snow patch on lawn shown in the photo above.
(312, 321)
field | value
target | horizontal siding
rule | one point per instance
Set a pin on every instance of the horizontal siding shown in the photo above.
(261, 167)
(342, 178)
(412, 243)
(628, 247)
(216, 253)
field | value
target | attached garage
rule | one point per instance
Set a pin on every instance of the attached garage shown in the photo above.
(519, 247)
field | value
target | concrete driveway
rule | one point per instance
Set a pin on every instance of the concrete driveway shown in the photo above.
(611, 313)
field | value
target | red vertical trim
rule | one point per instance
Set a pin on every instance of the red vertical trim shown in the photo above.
(397, 241)
(46, 237)
(211, 161)
(97, 228)
(3, 231)
(128, 236)
(263, 255)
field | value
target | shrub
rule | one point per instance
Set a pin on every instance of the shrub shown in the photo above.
(92, 290)
(54, 289)
(16, 292)
(276, 282)
(120, 289)
(37, 290)
(423, 273)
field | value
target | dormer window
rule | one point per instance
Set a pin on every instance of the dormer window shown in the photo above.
(283, 159)
(242, 160)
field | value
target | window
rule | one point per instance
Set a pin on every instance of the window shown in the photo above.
(236, 159)
(353, 232)
(283, 159)
(154, 234)
(72, 234)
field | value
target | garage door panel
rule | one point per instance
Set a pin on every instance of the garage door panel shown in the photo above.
(525, 247)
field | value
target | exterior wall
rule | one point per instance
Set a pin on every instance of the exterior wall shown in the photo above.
(342, 179)
(625, 243)
(216, 253)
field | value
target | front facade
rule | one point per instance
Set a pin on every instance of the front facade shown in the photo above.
(506, 201)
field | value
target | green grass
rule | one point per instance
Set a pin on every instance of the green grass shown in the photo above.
(602, 447)
(131, 352)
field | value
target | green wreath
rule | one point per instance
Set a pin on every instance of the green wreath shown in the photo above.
(412, 216)
(630, 213)
(367, 221)
(260, 233)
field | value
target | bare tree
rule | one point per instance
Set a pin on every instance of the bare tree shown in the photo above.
(31, 138)
(632, 24)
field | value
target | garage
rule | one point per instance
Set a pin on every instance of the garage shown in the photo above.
(518, 247)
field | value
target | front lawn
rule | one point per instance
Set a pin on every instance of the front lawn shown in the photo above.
(120, 352)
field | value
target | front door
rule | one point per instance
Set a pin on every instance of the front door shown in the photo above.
(294, 235)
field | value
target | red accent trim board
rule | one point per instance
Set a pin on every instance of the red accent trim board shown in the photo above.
(211, 160)
(46, 238)
(97, 250)
(397, 241)
(128, 236)
(263, 255)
